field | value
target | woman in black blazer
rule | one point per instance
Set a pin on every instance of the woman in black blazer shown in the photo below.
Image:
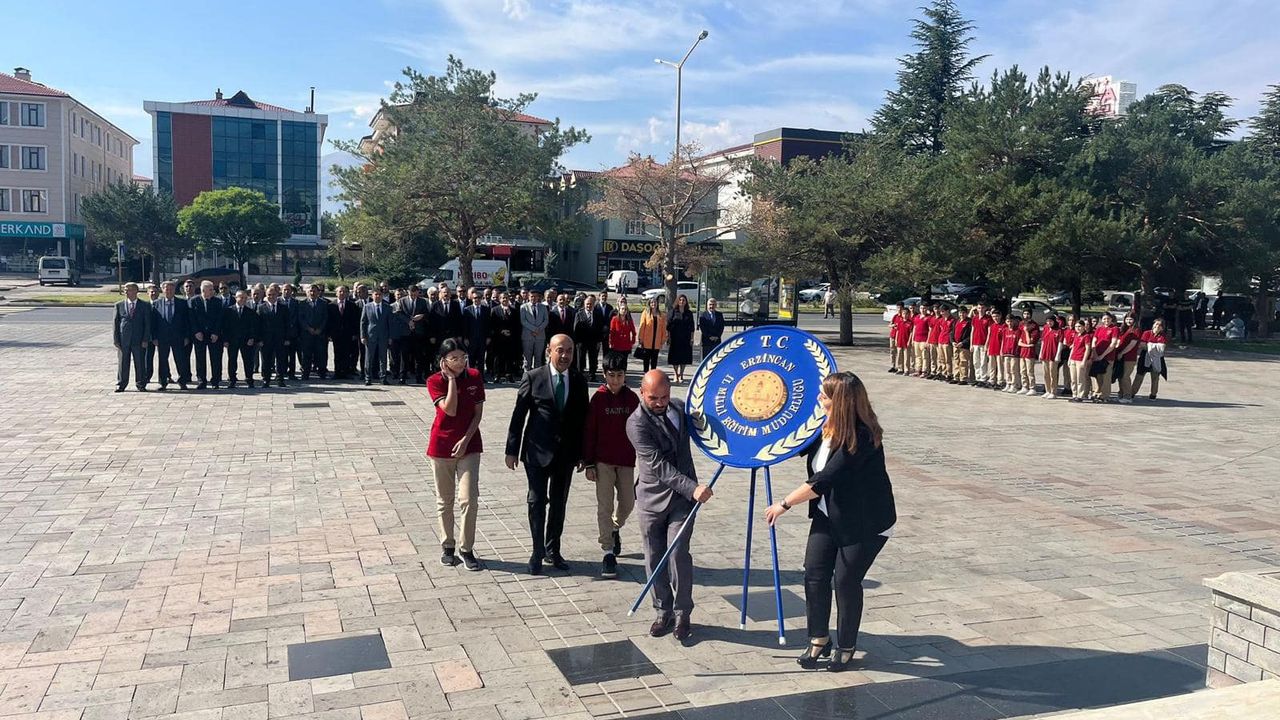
(852, 511)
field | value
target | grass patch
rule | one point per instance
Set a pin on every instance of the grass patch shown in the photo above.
(1261, 347)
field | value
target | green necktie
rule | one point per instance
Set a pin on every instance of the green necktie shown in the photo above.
(560, 395)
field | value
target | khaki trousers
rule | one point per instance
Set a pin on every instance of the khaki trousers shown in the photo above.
(1050, 376)
(457, 478)
(1079, 378)
(995, 369)
(1012, 371)
(613, 482)
(1028, 373)
(1126, 377)
(979, 363)
(944, 359)
(922, 353)
(963, 358)
(1102, 383)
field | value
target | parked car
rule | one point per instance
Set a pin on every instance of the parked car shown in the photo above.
(1118, 302)
(814, 294)
(683, 287)
(1039, 309)
(215, 275)
(57, 269)
(1062, 297)
(892, 309)
(971, 294)
(1232, 304)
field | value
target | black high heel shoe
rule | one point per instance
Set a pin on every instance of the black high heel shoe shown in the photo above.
(842, 660)
(809, 658)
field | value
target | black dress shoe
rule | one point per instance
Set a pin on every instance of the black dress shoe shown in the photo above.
(163, 386)
(182, 386)
(142, 388)
(661, 626)
(368, 382)
(249, 382)
(202, 385)
(535, 565)
(558, 562)
(385, 381)
(683, 628)
(280, 382)
(119, 388)
(230, 386)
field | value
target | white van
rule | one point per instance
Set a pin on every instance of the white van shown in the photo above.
(57, 269)
(621, 280)
(484, 272)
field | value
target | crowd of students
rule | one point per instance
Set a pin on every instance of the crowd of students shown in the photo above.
(1068, 356)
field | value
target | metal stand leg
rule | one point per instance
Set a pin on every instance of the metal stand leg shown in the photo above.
(746, 562)
(672, 546)
(773, 546)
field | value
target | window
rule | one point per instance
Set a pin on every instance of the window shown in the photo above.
(686, 229)
(33, 158)
(4, 200)
(635, 227)
(34, 201)
(32, 114)
(4, 155)
(97, 136)
(84, 128)
(75, 164)
(73, 122)
(81, 166)
(4, 113)
(76, 207)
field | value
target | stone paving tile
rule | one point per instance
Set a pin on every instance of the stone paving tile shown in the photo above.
(136, 583)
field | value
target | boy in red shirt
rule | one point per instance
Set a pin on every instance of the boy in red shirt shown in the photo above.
(942, 346)
(978, 344)
(1028, 338)
(1129, 342)
(961, 333)
(1106, 339)
(1049, 338)
(920, 339)
(1081, 358)
(1009, 354)
(995, 340)
(895, 323)
(610, 459)
(902, 348)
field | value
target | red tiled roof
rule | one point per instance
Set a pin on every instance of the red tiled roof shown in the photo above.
(247, 103)
(11, 84)
(531, 119)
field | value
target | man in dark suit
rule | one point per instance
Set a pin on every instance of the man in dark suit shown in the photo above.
(293, 352)
(560, 318)
(546, 434)
(418, 310)
(360, 293)
(131, 333)
(375, 334)
(667, 490)
(447, 316)
(475, 330)
(589, 330)
(206, 334)
(313, 333)
(153, 294)
(171, 335)
(400, 347)
(240, 334)
(608, 310)
(711, 328)
(190, 291)
(344, 328)
(504, 335)
(275, 342)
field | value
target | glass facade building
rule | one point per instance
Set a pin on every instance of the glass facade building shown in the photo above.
(239, 142)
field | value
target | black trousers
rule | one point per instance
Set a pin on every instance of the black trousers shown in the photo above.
(588, 357)
(345, 353)
(208, 360)
(824, 559)
(649, 360)
(423, 360)
(160, 364)
(182, 355)
(548, 486)
(244, 353)
(400, 357)
(476, 352)
(274, 360)
(136, 355)
(315, 353)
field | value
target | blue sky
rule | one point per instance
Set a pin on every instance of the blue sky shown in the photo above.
(800, 63)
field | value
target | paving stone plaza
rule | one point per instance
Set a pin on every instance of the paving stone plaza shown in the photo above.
(254, 554)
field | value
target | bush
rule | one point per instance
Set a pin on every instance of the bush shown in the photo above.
(297, 273)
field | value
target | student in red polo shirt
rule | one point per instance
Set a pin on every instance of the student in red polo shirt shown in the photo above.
(1129, 343)
(1106, 340)
(1066, 337)
(454, 448)
(1009, 354)
(895, 322)
(1049, 340)
(1080, 359)
(902, 348)
(978, 344)
(610, 459)
(942, 345)
(962, 355)
(920, 339)
(1028, 339)
(995, 340)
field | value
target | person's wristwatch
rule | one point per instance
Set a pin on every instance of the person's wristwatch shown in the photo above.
(784, 505)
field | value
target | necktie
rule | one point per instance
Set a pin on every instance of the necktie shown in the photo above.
(671, 428)
(168, 310)
(131, 309)
(560, 391)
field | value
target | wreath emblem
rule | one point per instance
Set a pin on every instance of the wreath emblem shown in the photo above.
(711, 440)
(801, 434)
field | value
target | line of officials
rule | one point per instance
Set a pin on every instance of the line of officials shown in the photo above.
(373, 333)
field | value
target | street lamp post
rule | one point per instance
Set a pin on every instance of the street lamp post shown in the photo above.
(679, 73)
